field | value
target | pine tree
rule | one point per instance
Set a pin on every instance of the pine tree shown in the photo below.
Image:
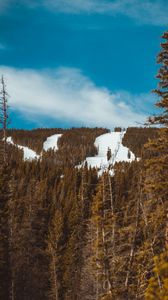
(154, 291)
(5, 275)
(4, 116)
(158, 148)
(109, 154)
(162, 90)
(103, 222)
(156, 174)
(157, 164)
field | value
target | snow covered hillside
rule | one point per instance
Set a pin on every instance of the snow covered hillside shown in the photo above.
(51, 142)
(111, 142)
(28, 154)
(108, 142)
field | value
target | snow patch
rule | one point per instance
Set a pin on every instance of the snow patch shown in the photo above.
(51, 142)
(28, 154)
(119, 153)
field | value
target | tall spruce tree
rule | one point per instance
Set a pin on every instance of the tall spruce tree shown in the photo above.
(5, 276)
(4, 116)
(162, 90)
(157, 165)
(156, 181)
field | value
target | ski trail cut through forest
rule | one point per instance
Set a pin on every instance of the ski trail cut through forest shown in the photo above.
(28, 154)
(51, 142)
(109, 141)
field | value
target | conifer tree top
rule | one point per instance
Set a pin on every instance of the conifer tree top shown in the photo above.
(162, 90)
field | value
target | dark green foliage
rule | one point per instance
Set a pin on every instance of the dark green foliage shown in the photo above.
(33, 139)
(109, 154)
(5, 274)
(50, 210)
(136, 137)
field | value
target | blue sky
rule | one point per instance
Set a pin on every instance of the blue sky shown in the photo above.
(80, 62)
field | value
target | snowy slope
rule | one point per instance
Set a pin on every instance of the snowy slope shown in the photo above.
(51, 142)
(112, 140)
(28, 154)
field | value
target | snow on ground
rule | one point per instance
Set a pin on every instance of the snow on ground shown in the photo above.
(51, 142)
(112, 141)
(28, 154)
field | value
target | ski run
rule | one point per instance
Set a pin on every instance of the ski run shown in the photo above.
(51, 142)
(28, 154)
(107, 142)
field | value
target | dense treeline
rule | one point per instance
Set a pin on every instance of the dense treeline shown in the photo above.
(43, 217)
(79, 137)
(33, 139)
(67, 234)
(74, 146)
(136, 137)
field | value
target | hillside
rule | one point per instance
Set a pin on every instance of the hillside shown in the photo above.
(76, 220)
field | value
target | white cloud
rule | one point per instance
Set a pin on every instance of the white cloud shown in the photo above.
(144, 11)
(66, 94)
(154, 12)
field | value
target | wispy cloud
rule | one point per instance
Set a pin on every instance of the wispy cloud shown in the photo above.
(154, 12)
(66, 94)
(143, 11)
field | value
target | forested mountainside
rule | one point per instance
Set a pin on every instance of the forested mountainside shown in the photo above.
(74, 145)
(79, 141)
(33, 139)
(67, 233)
